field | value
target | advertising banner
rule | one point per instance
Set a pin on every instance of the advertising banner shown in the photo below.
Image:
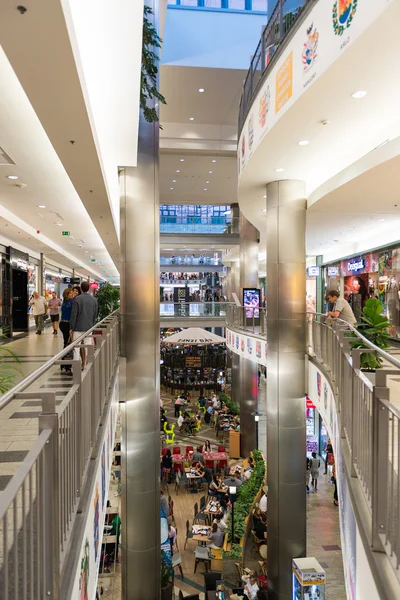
(247, 346)
(332, 26)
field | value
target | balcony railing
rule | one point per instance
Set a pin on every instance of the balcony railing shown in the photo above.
(247, 318)
(199, 225)
(39, 506)
(191, 261)
(280, 22)
(193, 310)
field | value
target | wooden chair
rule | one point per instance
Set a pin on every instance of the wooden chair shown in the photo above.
(189, 534)
(198, 515)
(177, 562)
(201, 554)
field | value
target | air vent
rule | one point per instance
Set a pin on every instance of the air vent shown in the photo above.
(5, 159)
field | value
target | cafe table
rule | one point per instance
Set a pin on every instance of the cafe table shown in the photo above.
(201, 537)
(212, 509)
(191, 477)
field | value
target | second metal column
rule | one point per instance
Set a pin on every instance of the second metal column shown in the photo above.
(286, 427)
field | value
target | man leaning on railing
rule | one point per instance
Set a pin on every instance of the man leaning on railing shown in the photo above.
(341, 308)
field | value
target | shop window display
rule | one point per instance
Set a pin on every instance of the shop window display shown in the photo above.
(389, 288)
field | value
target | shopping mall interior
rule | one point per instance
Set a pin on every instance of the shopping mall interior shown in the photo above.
(199, 300)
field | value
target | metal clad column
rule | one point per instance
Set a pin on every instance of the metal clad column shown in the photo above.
(140, 330)
(286, 427)
(248, 255)
(248, 404)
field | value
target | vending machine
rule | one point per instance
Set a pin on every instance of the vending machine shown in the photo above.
(308, 579)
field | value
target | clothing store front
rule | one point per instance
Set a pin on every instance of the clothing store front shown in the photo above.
(389, 287)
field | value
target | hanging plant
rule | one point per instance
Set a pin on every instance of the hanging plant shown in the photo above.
(148, 83)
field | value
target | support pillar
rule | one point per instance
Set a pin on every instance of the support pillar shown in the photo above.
(248, 255)
(286, 426)
(140, 345)
(41, 285)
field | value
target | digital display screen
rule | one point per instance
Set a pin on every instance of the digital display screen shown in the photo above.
(333, 271)
(313, 271)
(251, 301)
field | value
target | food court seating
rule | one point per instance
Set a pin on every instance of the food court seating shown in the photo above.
(210, 580)
(189, 534)
(164, 451)
(210, 464)
(201, 554)
(170, 433)
(190, 597)
(221, 449)
(178, 481)
(177, 562)
(189, 449)
(199, 516)
(176, 450)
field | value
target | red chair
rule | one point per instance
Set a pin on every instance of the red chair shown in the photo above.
(221, 449)
(189, 449)
(201, 449)
(176, 450)
(164, 451)
(178, 467)
(210, 464)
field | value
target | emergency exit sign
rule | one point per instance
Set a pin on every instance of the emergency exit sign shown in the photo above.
(65, 232)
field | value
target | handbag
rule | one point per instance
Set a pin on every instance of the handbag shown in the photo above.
(331, 460)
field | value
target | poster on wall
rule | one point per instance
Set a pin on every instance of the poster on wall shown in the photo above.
(247, 346)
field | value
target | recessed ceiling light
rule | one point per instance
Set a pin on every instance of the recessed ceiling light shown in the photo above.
(174, 181)
(214, 160)
(191, 118)
(210, 172)
(205, 189)
(359, 94)
(201, 90)
(278, 170)
(171, 188)
(381, 220)
(178, 171)
(41, 206)
(12, 176)
(264, 210)
(182, 160)
(303, 143)
(265, 196)
(207, 182)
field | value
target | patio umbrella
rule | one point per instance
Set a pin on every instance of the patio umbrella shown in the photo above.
(194, 335)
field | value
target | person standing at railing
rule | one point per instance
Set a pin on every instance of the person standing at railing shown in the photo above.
(341, 308)
(39, 310)
(83, 318)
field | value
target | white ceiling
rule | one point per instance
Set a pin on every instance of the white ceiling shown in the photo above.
(217, 105)
(45, 181)
(193, 176)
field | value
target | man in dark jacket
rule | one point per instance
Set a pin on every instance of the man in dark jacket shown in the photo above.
(83, 318)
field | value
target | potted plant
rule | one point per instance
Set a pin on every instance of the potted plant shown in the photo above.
(108, 298)
(166, 578)
(376, 328)
(9, 370)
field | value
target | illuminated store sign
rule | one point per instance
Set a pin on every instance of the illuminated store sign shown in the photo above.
(356, 265)
(333, 271)
(313, 271)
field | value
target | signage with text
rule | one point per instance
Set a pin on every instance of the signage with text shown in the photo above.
(333, 271)
(193, 361)
(66, 233)
(356, 265)
(313, 271)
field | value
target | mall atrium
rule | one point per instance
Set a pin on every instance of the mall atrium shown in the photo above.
(199, 300)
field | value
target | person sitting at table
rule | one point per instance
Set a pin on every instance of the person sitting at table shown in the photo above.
(180, 421)
(202, 401)
(216, 403)
(216, 537)
(204, 472)
(261, 529)
(214, 489)
(166, 465)
(264, 500)
(197, 456)
(236, 424)
(224, 508)
(234, 480)
(164, 503)
(207, 446)
(250, 588)
(220, 523)
(256, 517)
(172, 537)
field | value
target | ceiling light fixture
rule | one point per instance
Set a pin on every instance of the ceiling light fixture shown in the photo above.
(278, 170)
(171, 188)
(205, 189)
(42, 206)
(201, 90)
(207, 182)
(359, 94)
(210, 172)
(178, 171)
(304, 143)
(12, 176)
(174, 181)
(191, 118)
(381, 220)
(264, 210)
(265, 196)
(182, 160)
(213, 160)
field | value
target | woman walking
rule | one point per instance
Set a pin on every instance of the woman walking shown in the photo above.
(315, 464)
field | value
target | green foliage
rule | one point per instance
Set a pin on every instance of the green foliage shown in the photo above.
(149, 72)
(245, 499)
(9, 370)
(233, 407)
(375, 327)
(108, 297)
(166, 571)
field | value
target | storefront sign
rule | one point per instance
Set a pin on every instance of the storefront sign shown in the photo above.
(356, 265)
(67, 280)
(333, 271)
(19, 260)
(309, 403)
(313, 271)
(94, 286)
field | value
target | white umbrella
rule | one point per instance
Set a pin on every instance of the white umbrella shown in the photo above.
(194, 335)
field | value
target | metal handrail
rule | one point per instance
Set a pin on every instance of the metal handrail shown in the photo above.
(272, 37)
(32, 377)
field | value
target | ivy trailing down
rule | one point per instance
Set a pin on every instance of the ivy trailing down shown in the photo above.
(243, 505)
(148, 79)
(231, 404)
